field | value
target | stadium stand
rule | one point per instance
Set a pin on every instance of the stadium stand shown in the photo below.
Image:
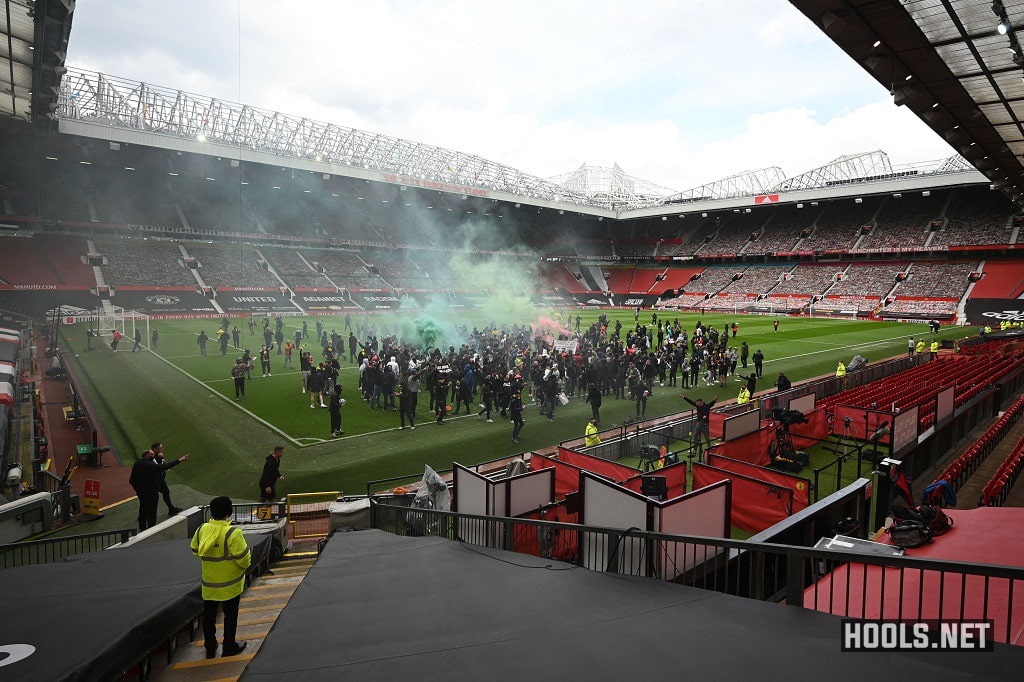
(757, 279)
(147, 263)
(589, 248)
(685, 301)
(133, 198)
(635, 249)
(969, 373)
(915, 308)
(65, 253)
(231, 267)
(399, 271)
(963, 467)
(902, 223)
(346, 269)
(780, 303)
(66, 199)
(868, 279)
(23, 263)
(293, 269)
(696, 230)
(841, 304)
(714, 279)
(734, 234)
(559, 275)
(678, 278)
(783, 230)
(998, 488)
(838, 226)
(206, 205)
(619, 279)
(940, 280)
(808, 279)
(647, 280)
(1002, 279)
(976, 215)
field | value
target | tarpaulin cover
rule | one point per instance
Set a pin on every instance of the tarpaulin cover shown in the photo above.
(756, 504)
(801, 487)
(376, 606)
(7, 394)
(752, 447)
(92, 615)
(8, 351)
(596, 465)
(5, 434)
(675, 478)
(567, 476)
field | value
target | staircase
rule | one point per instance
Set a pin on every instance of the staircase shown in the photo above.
(970, 492)
(259, 608)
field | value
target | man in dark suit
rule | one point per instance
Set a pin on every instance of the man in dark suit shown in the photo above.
(145, 479)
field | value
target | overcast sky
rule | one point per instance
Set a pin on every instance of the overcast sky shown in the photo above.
(677, 92)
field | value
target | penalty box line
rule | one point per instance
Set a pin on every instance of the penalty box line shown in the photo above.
(228, 400)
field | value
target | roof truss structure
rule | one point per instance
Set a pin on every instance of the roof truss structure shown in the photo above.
(948, 62)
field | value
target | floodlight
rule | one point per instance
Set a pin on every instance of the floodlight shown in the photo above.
(1003, 27)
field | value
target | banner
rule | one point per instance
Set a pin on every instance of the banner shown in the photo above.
(992, 311)
(766, 199)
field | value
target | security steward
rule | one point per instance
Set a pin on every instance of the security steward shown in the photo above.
(590, 435)
(225, 556)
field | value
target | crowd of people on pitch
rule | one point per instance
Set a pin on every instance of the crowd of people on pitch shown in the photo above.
(499, 367)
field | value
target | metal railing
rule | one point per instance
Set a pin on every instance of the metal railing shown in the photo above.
(839, 583)
(252, 512)
(55, 549)
(628, 439)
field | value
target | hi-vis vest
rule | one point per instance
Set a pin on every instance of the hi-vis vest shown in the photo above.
(841, 370)
(225, 556)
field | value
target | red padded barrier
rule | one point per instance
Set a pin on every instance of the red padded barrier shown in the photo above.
(752, 448)
(602, 467)
(756, 504)
(801, 487)
(567, 476)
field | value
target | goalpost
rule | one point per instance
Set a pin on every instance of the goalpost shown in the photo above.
(125, 321)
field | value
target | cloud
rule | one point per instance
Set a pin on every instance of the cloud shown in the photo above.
(677, 93)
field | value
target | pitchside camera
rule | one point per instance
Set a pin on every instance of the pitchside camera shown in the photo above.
(788, 417)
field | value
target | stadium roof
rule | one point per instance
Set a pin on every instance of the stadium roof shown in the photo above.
(957, 64)
(33, 44)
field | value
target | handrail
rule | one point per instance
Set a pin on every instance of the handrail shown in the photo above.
(756, 570)
(50, 550)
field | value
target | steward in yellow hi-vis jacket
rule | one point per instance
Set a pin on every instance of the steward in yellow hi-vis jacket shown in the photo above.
(225, 556)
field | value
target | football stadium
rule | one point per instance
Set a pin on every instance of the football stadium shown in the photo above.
(747, 428)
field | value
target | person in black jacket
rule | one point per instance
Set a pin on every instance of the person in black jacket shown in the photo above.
(783, 383)
(702, 419)
(271, 475)
(334, 408)
(165, 492)
(594, 398)
(145, 479)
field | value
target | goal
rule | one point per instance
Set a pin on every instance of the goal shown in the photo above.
(125, 321)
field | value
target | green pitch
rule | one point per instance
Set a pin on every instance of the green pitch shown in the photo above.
(187, 401)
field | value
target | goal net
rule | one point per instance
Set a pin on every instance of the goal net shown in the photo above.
(128, 322)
